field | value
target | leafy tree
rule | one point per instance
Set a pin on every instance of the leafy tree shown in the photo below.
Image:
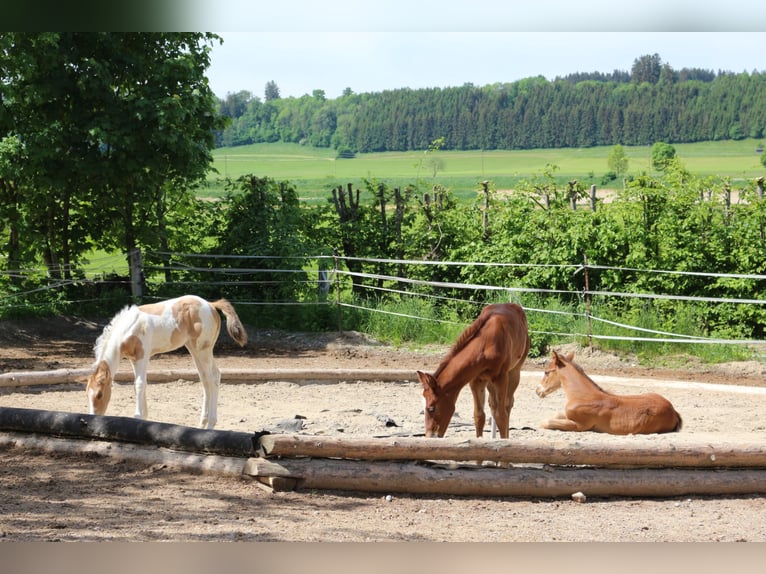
(662, 155)
(234, 105)
(617, 160)
(264, 217)
(116, 128)
(271, 92)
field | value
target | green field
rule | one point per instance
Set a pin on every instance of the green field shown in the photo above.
(314, 171)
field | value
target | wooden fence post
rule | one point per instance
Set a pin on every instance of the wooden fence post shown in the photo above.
(136, 274)
(593, 198)
(337, 290)
(485, 215)
(587, 302)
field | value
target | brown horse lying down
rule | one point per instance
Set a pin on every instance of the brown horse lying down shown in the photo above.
(589, 407)
(488, 354)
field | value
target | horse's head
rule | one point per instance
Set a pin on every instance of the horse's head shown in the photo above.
(98, 388)
(438, 406)
(551, 376)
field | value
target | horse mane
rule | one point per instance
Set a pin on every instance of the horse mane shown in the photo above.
(102, 343)
(584, 374)
(464, 338)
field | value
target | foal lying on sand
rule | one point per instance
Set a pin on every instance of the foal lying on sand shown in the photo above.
(138, 333)
(591, 408)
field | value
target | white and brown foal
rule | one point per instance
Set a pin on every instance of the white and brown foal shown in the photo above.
(138, 333)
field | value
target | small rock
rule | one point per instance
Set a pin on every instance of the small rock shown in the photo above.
(579, 497)
(389, 498)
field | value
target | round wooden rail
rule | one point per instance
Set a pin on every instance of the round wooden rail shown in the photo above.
(59, 376)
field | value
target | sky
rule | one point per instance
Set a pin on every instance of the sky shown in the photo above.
(305, 45)
(301, 62)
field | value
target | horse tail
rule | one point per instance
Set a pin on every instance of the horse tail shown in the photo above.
(679, 423)
(233, 325)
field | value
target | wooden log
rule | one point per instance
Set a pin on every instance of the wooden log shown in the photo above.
(30, 378)
(193, 462)
(58, 376)
(571, 449)
(127, 429)
(418, 478)
(415, 478)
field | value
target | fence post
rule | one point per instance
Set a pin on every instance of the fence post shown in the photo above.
(136, 274)
(593, 198)
(485, 214)
(587, 301)
(337, 290)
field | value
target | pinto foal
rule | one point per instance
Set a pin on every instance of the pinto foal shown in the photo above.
(138, 333)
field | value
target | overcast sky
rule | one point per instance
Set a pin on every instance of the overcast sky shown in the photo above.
(304, 45)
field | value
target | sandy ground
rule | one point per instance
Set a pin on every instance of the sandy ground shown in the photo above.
(87, 497)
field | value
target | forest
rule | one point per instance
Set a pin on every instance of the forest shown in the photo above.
(651, 103)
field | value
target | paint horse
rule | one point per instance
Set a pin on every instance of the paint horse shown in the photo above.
(138, 333)
(488, 355)
(591, 408)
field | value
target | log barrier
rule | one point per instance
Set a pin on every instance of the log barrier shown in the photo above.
(608, 466)
(61, 376)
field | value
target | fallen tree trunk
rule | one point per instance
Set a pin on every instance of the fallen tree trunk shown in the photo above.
(415, 478)
(572, 449)
(127, 429)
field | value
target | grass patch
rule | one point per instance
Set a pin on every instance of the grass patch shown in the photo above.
(315, 171)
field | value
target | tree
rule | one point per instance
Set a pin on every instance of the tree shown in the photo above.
(618, 161)
(662, 154)
(646, 69)
(116, 128)
(271, 92)
(234, 105)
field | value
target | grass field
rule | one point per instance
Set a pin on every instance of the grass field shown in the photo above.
(314, 171)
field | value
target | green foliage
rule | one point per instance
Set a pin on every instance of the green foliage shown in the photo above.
(264, 218)
(115, 130)
(652, 103)
(662, 154)
(618, 161)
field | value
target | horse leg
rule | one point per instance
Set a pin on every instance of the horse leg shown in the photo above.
(139, 383)
(498, 403)
(210, 377)
(562, 423)
(514, 376)
(478, 390)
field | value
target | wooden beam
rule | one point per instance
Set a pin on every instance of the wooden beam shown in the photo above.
(584, 449)
(192, 462)
(417, 478)
(58, 376)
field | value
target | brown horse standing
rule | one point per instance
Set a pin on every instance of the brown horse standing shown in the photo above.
(589, 407)
(488, 354)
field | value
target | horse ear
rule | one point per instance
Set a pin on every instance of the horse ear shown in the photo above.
(558, 359)
(570, 356)
(427, 380)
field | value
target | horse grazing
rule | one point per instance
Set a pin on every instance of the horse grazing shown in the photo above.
(138, 333)
(488, 354)
(589, 407)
